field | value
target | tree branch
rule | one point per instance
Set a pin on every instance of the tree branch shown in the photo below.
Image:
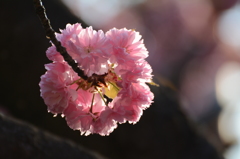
(50, 33)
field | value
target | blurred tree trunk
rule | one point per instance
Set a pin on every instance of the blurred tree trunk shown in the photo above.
(22, 140)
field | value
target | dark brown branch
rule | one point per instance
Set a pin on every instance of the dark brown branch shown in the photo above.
(50, 33)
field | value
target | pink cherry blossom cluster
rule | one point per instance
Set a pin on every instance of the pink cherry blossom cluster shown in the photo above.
(118, 56)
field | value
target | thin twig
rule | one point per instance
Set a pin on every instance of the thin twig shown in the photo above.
(50, 33)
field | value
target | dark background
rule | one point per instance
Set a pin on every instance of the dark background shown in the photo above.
(166, 130)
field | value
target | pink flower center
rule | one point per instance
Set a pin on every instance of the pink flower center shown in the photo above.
(88, 49)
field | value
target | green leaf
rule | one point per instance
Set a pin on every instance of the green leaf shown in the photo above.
(112, 90)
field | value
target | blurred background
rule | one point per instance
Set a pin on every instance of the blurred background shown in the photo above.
(194, 50)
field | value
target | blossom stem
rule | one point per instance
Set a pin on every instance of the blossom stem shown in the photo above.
(92, 103)
(102, 97)
(50, 33)
(114, 86)
(75, 81)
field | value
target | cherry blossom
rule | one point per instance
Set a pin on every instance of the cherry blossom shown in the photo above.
(117, 60)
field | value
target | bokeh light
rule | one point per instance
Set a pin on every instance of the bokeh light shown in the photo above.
(228, 27)
(96, 12)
